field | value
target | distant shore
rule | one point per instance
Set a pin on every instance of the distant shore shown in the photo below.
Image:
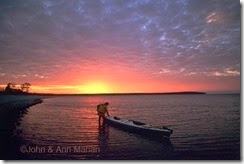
(136, 93)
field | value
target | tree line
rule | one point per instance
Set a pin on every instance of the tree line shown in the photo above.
(12, 88)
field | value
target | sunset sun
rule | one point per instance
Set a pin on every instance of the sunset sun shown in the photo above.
(95, 87)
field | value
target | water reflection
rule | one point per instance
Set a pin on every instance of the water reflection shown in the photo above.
(103, 137)
(112, 146)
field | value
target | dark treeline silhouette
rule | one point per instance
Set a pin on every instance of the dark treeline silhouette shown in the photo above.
(11, 89)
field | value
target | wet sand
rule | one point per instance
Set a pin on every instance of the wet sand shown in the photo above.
(12, 109)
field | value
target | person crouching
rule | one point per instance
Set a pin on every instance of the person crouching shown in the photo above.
(102, 109)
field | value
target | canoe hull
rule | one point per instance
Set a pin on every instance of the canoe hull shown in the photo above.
(145, 130)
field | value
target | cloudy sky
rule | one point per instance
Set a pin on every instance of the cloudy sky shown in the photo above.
(90, 46)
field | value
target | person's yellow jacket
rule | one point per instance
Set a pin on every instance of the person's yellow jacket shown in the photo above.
(102, 108)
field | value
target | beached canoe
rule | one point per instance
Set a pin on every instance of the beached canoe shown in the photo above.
(139, 127)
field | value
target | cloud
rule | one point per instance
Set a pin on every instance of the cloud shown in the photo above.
(48, 38)
(225, 73)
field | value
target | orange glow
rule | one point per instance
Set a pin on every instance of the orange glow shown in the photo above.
(94, 87)
(129, 86)
(128, 82)
(123, 79)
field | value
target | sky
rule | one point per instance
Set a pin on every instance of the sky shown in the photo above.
(121, 46)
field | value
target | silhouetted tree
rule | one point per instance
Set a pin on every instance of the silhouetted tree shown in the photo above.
(10, 88)
(25, 87)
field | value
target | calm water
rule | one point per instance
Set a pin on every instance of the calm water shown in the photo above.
(205, 127)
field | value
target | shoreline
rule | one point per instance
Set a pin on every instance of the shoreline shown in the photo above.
(12, 109)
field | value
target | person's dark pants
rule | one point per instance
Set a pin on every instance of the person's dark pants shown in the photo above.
(101, 115)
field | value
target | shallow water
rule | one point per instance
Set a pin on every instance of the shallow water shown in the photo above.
(205, 127)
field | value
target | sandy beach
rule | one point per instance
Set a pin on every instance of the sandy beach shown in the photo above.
(12, 109)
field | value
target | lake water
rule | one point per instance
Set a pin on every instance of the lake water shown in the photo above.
(206, 127)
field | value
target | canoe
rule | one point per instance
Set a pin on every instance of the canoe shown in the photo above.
(138, 127)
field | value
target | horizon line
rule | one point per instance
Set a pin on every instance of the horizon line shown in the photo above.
(130, 93)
